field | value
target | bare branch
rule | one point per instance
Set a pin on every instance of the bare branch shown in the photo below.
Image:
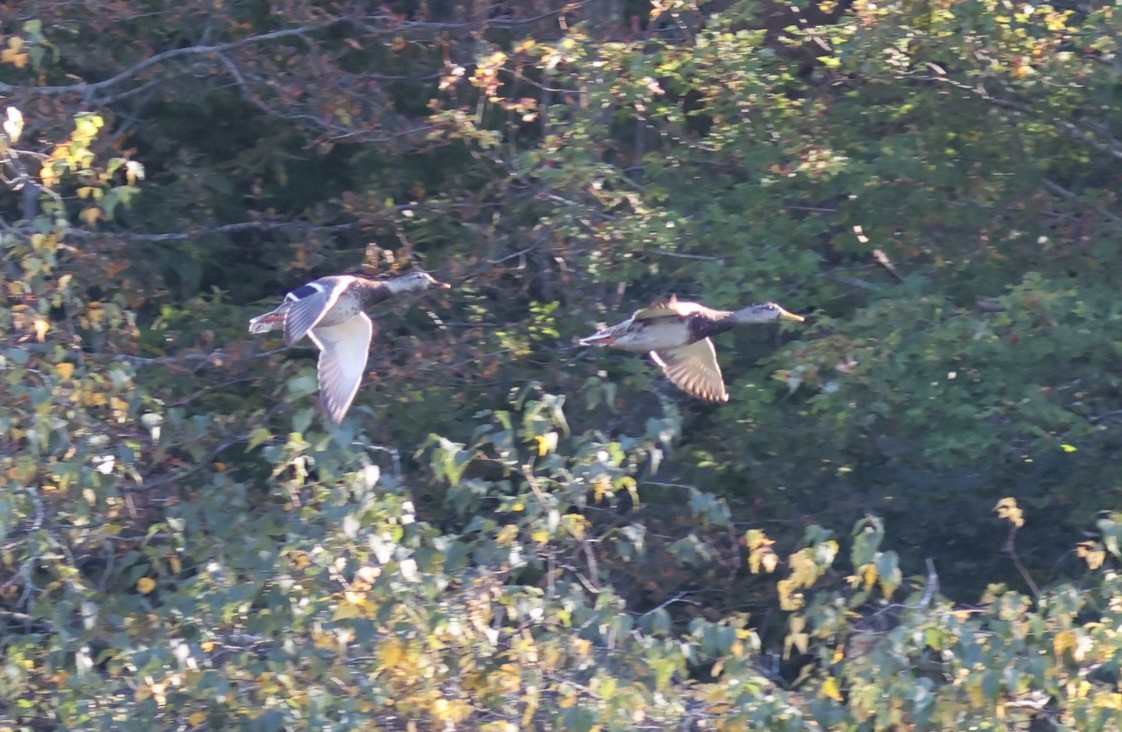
(1072, 196)
(1098, 138)
(87, 89)
(300, 226)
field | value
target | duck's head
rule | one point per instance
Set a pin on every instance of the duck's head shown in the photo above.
(414, 282)
(765, 312)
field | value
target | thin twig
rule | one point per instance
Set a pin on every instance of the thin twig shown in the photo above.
(1011, 550)
(1060, 190)
(883, 260)
(931, 587)
(680, 255)
(202, 464)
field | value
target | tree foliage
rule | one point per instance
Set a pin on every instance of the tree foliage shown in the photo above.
(905, 517)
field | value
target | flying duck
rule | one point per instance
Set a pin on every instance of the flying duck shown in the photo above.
(676, 333)
(330, 311)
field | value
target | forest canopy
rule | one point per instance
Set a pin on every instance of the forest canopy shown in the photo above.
(906, 516)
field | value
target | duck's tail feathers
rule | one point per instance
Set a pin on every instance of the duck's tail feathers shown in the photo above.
(267, 322)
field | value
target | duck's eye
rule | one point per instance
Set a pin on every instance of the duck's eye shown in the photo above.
(302, 292)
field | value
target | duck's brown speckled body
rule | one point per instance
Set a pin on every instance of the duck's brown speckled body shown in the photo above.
(676, 334)
(331, 312)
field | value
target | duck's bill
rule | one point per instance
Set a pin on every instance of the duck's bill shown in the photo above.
(784, 315)
(442, 285)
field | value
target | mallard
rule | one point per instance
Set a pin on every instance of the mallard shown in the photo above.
(676, 333)
(330, 311)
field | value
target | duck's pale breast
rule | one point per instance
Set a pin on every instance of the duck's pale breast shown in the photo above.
(347, 305)
(345, 308)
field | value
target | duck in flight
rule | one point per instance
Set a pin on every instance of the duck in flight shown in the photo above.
(331, 312)
(677, 336)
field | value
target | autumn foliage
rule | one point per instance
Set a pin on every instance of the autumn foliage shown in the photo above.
(906, 516)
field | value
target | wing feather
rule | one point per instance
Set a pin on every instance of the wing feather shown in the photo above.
(303, 315)
(694, 370)
(344, 349)
(671, 307)
(662, 308)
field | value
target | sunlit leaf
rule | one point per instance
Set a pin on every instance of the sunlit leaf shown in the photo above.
(829, 689)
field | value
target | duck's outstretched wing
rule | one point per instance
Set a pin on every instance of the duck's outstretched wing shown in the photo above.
(666, 307)
(694, 370)
(344, 349)
(671, 307)
(306, 307)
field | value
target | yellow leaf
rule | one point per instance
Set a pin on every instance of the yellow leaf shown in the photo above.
(795, 641)
(1108, 701)
(506, 535)
(47, 175)
(977, 696)
(90, 215)
(93, 398)
(546, 443)
(145, 585)
(65, 370)
(576, 524)
(85, 191)
(1063, 641)
(499, 727)
(830, 689)
(869, 575)
(1007, 509)
(789, 597)
(196, 718)
(41, 328)
(13, 57)
(1068, 448)
(391, 653)
(450, 710)
(207, 646)
(351, 607)
(1091, 553)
